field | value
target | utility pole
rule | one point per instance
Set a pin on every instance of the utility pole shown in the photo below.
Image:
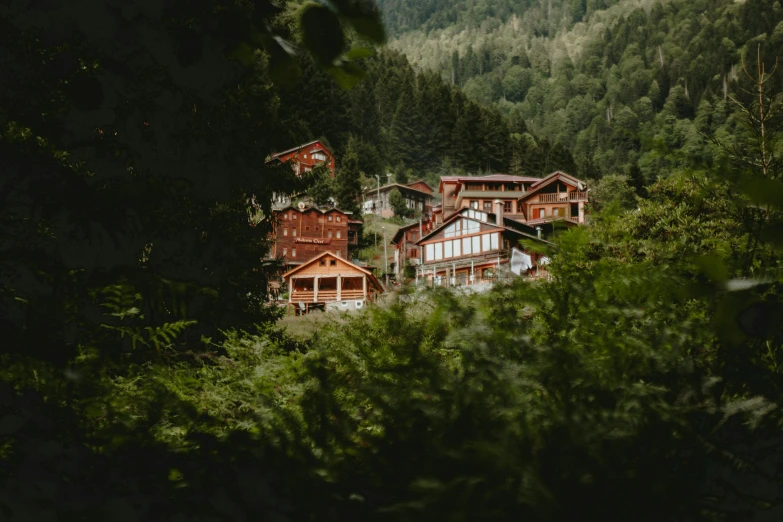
(385, 258)
(378, 197)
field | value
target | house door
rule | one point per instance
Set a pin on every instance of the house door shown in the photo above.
(541, 212)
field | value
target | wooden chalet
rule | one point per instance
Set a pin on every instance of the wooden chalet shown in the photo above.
(472, 244)
(302, 233)
(558, 196)
(301, 159)
(328, 281)
(304, 158)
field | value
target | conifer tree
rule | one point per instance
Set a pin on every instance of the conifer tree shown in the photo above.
(347, 179)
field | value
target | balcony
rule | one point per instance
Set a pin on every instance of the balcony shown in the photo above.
(562, 197)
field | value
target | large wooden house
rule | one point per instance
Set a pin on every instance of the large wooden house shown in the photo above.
(471, 245)
(558, 196)
(327, 281)
(302, 233)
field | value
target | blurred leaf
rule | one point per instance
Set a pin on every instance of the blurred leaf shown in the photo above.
(763, 191)
(245, 54)
(347, 74)
(365, 18)
(359, 52)
(773, 234)
(713, 267)
(322, 33)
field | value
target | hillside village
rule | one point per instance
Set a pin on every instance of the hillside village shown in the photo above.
(474, 229)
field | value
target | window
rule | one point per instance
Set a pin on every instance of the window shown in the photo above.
(293, 232)
(294, 216)
(487, 206)
(475, 244)
(329, 233)
(338, 234)
(429, 250)
(332, 262)
(285, 216)
(293, 252)
(322, 262)
(413, 253)
(316, 229)
(307, 229)
(285, 252)
(494, 241)
(330, 218)
(414, 236)
(507, 206)
(447, 251)
(520, 206)
(485, 243)
(339, 253)
(438, 251)
(339, 218)
(474, 204)
(457, 248)
(555, 211)
(466, 245)
(285, 231)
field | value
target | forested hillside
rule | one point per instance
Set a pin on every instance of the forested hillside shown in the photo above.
(635, 87)
(410, 123)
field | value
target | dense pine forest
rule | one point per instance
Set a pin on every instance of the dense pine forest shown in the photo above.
(145, 376)
(626, 86)
(411, 124)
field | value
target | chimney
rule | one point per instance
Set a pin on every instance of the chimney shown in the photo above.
(498, 212)
(538, 230)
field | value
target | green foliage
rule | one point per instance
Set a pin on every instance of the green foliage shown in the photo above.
(612, 190)
(397, 203)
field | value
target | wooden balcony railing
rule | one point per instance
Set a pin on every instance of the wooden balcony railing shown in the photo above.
(573, 219)
(325, 295)
(302, 295)
(562, 197)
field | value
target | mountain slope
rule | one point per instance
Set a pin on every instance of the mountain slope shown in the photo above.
(621, 84)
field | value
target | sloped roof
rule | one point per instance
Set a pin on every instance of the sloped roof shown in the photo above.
(309, 208)
(401, 231)
(299, 147)
(503, 178)
(557, 174)
(420, 181)
(384, 188)
(374, 280)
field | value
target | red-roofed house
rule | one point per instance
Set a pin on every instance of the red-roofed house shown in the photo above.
(557, 196)
(305, 157)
